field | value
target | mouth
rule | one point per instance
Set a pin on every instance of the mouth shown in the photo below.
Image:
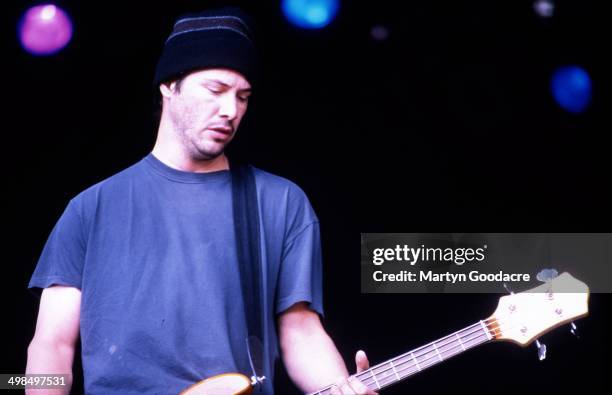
(221, 134)
(222, 130)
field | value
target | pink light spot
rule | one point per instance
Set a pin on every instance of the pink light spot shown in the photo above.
(45, 30)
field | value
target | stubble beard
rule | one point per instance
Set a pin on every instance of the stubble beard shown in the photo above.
(196, 148)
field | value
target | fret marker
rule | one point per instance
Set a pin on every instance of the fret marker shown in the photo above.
(395, 371)
(374, 377)
(484, 328)
(438, 352)
(460, 342)
(415, 361)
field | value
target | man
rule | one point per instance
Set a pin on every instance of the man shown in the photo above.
(143, 265)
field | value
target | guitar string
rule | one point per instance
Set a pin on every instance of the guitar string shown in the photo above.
(496, 328)
(421, 361)
(406, 371)
(433, 353)
(493, 323)
(377, 381)
(381, 382)
(371, 370)
(479, 329)
(454, 350)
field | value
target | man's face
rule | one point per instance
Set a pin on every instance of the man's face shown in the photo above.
(206, 109)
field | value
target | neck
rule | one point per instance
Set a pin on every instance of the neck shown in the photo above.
(183, 163)
(412, 362)
(171, 153)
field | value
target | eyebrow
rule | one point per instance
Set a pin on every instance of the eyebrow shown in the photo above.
(225, 85)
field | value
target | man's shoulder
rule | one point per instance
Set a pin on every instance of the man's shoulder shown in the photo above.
(271, 179)
(272, 183)
(119, 181)
(282, 196)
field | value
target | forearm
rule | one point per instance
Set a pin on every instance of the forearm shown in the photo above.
(312, 360)
(50, 358)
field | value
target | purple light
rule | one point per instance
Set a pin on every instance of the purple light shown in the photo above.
(379, 33)
(544, 8)
(45, 30)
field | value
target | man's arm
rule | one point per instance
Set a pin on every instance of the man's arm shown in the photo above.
(57, 330)
(310, 356)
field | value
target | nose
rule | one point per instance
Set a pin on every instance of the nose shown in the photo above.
(228, 107)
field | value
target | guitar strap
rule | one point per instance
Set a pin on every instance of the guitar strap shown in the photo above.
(248, 249)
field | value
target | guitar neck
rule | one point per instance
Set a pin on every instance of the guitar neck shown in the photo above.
(412, 362)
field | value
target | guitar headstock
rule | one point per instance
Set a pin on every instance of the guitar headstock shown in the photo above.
(524, 316)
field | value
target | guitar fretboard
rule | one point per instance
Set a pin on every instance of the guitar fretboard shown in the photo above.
(412, 362)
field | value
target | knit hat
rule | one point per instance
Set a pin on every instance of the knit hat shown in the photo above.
(216, 38)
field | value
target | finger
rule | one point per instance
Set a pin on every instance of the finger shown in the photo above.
(346, 388)
(334, 390)
(357, 386)
(339, 386)
(361, 360)
(360, 387)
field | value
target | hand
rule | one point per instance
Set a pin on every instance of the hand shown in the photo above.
(352, 385)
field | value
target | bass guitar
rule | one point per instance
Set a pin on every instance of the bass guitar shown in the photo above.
(519, 318)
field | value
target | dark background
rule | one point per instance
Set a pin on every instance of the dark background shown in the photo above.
(447, 126)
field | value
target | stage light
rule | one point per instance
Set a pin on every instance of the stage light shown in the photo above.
(571, 88)
(44, 30)
(379, 32)
(544, 8)
(310, 14)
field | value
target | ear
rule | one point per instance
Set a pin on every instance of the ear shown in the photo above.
(167, 89)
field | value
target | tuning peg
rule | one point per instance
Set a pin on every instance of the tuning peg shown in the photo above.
(508, 289)
(541, 350)
(574, 330)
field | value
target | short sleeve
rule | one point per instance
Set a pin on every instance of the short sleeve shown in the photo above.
(300, 277)
(61, 262)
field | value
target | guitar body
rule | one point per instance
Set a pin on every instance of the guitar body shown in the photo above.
(223, 384)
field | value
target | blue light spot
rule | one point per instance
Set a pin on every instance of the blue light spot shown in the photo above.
(571, 88)
(310, 14)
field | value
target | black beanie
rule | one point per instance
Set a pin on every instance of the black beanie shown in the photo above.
(216, 38)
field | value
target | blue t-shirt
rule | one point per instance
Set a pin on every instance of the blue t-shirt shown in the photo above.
(152, 250)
